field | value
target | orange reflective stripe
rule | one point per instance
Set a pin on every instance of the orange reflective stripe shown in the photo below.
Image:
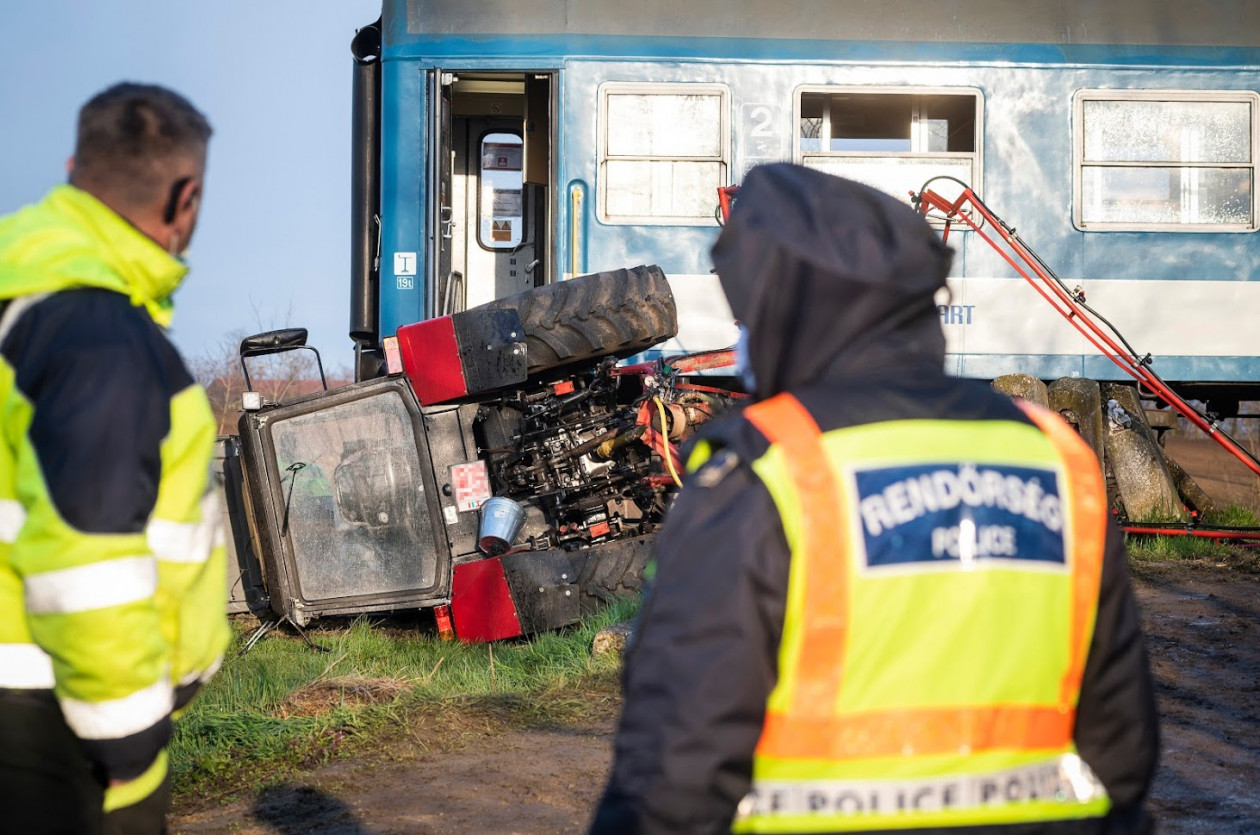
(1089, 537)
(820, 662)
(895, 733)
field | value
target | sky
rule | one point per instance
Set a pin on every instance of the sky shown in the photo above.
(272, 247)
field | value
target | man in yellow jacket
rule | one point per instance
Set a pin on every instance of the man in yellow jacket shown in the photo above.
(112, 586)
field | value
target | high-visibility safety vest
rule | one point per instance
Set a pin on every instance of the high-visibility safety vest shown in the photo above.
(941, 602)
(121, 625)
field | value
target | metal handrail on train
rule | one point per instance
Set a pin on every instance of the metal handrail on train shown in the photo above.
(1070, 304)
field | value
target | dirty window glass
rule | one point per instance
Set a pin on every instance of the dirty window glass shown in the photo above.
(664, 152)
(665, 125)
(661, 188)
(1166, 160)
(358, 522)
(1162, 131)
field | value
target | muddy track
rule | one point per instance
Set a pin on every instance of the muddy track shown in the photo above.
(1202, 628)
(1203, 632)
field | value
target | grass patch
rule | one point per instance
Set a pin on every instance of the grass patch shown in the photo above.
(1234, 516)
(283, 707)
(1222, 553)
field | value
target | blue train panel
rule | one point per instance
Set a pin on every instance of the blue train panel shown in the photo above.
(525, 147)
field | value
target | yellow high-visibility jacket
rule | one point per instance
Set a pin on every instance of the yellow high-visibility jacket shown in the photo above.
(941, 604)
(707, 681)
(112, 561)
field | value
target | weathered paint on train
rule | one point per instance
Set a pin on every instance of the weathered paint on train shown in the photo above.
(1191, 298)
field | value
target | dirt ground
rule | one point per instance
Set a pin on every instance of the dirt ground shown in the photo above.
(1223, 477)
(1203, 632)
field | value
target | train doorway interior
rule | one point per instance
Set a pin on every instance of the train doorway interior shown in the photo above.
(494, 165)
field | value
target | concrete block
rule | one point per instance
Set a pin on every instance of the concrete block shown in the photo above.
(613, 638)
(1146, 489)
(1145, 486)
(1079, 401)
(1189, 490)
(1023, 385)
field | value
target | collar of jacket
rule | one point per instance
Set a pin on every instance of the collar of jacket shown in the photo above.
(71, 239)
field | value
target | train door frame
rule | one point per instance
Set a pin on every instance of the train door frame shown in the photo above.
(465, 106)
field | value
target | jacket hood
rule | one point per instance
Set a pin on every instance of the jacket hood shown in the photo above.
(827, 275)
(71, 239)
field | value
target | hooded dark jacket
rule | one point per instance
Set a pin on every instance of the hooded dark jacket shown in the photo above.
(835, 282)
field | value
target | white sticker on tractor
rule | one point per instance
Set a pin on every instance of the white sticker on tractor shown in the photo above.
(471, 481)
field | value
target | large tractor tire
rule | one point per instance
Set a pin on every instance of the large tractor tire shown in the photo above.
(610, 571)
(617, 313)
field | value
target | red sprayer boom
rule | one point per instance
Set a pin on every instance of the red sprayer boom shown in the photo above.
(968, 209)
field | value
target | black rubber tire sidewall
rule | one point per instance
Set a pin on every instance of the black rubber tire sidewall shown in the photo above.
(615, 313)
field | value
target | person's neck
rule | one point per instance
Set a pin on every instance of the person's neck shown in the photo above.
(144, 222)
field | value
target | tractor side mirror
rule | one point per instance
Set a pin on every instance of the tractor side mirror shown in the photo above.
(277, 342)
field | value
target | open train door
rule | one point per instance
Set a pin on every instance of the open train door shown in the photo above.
(493, 176)
(539, 170)
(440, 223)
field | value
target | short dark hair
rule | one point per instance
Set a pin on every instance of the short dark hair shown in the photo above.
(131, 140)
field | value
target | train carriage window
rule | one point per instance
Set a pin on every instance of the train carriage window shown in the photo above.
(1175, 161)
(893, 139)
(664, 152)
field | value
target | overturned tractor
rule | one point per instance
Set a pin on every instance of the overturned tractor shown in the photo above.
(506, 467)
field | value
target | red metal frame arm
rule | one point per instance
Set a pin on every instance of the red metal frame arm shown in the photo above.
(726, 199)
(968, 206)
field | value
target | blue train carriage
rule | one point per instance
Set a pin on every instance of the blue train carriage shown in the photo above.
(502, 146)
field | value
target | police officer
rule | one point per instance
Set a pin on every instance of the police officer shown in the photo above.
(112, 566)
(886, 598)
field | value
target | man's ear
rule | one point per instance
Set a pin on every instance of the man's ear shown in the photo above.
(69, 166)
(192, 197)
(184, 192)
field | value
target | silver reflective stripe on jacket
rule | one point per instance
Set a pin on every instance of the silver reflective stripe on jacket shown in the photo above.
(1064, 779)
(96, 585)
(25, 667)
(117, 718)
(188, 542)
(12, 518)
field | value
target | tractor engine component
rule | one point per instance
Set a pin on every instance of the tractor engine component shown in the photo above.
(568, 449)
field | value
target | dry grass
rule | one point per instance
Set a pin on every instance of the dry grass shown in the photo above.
(323, 697)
